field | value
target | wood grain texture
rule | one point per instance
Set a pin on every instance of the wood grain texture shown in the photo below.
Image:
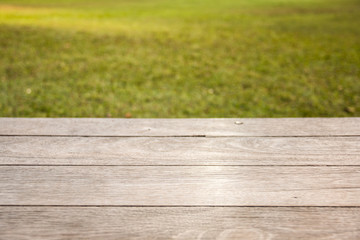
(159, 183)
(181, 127)
(185, 186)
(22, 223)
(180, 151)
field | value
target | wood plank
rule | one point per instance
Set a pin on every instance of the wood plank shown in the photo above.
(181, 127)
(20, 223)
(180, 151)
(185, 186)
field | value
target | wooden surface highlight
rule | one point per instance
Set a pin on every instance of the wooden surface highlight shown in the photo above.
(180, 186)
(181, 127)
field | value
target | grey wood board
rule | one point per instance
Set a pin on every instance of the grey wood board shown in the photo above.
(181, 127)
(180, 186)
(113, 223)
(180, 151)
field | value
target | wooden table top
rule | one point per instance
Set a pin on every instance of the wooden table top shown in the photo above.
(289, 178)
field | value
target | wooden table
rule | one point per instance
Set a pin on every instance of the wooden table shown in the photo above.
(180, 178)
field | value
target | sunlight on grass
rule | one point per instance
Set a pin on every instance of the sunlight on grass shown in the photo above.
(181, 58)
(76, 20)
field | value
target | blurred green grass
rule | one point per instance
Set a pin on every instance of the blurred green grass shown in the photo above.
(179, 58)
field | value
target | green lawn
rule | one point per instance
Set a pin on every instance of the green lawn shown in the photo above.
(179, 58)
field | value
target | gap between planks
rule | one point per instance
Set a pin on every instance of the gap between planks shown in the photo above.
(166, 165)
(174, 206)
(185, 136)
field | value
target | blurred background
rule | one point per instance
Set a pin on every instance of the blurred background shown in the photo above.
(179, 58)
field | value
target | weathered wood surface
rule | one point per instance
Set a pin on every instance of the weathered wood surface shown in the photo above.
(180, 186)
(180, 179)
(180, 151)
(181, 127)
(50, 223)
